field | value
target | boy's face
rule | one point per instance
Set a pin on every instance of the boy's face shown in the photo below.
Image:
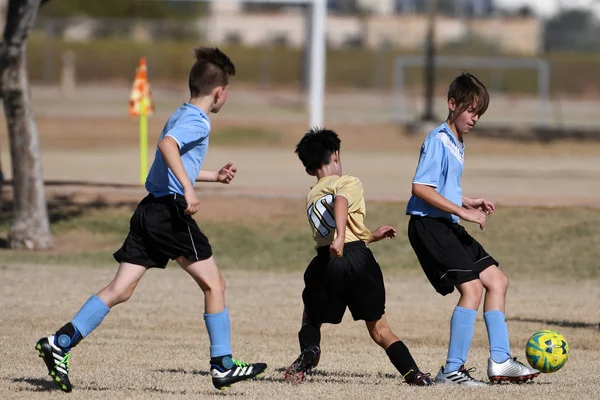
(465, 120)
(220, 97)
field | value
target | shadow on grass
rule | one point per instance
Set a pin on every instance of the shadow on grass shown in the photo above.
(206, 373)
(342, 376)
(562, 324)
(63, 208)
(39, 385)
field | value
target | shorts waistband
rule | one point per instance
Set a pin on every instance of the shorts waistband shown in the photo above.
(166, 199)
(324, 250)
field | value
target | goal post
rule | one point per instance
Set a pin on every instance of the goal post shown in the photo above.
(494, 63)
(317, 52)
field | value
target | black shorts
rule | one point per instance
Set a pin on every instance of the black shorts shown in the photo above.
(448, 254)
(159, 230)
(353, 280)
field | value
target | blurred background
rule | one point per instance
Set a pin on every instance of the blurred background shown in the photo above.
(388, 65)
(79, 45)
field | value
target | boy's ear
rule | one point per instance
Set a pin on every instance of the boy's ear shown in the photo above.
(217, 93)
(452, 104)
(335, 157)
(310, 172)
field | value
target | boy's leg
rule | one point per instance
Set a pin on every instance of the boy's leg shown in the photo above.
(462, 327)
(462, 324)
(55, 349)
(225, 370)
(397, 352)
(309, 334)
(309, 338)
(501, 367)
(496, 285)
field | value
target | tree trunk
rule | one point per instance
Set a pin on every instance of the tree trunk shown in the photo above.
(30, 227)
(3, 11)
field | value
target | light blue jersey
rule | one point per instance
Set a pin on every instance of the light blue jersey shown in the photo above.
(190, 127)
(440, 166)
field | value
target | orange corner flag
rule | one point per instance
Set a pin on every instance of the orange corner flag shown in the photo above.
(141, 90)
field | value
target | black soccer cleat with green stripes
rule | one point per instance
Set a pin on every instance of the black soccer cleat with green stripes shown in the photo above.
(57, 362)
(222, 378)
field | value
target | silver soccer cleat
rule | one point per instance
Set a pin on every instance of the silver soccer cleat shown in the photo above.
(460, 377)
(510, 370)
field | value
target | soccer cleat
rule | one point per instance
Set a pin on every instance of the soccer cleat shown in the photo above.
(57, 362)
(460, 377)
(420, 379)
(306, 361)
(241, 371)
(510, 370)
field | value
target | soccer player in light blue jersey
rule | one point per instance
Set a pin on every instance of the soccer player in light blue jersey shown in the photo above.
(162, 228)
(449, 256)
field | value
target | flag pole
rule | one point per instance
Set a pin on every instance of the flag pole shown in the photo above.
(143, 140)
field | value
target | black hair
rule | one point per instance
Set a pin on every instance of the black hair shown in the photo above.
(316, 147)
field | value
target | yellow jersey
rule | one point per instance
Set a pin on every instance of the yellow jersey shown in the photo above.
(319, 209)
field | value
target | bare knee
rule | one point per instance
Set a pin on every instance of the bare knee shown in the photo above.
(214, 286)
(496, 282)
(114, 294)
(470, 294)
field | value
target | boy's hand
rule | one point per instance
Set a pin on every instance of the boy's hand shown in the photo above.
(227, 173)
(474, 215)
(193, 204)
(487, 207)
(336, 249)
(384, 231)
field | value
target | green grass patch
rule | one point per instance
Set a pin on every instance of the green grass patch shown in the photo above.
(533, 243)
(170, 61)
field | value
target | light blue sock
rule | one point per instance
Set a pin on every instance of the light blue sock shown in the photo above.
(90, 315)
(495, 323)
(462, 327)
(219, 333)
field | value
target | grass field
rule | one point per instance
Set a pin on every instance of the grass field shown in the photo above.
(274, 236)
(546, 234)
(155, 346)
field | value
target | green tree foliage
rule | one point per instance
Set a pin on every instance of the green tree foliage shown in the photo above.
(573, 30)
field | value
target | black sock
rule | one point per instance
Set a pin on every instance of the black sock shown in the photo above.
(402, 360)
(67, 337)
(224, 362)
(309, 335)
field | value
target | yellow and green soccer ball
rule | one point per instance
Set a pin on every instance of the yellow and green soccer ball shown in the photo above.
(547, 351)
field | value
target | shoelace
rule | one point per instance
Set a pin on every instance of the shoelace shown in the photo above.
(418, 375)
(467, 372)
(65, 361)
(519, 362)
(240, 364)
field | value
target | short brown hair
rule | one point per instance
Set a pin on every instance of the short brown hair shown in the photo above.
(211, 69)
(466, 89)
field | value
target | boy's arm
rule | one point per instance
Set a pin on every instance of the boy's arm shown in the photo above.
(340, 212)
(170, 151)
(431, 196)
(224, 175)
(480, 203)
(384, 231)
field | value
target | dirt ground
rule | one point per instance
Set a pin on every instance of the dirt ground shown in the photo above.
(156, 346)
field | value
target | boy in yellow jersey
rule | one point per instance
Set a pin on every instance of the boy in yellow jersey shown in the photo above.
(344, 272)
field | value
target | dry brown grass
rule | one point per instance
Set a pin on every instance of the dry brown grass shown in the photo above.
(156, 346)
